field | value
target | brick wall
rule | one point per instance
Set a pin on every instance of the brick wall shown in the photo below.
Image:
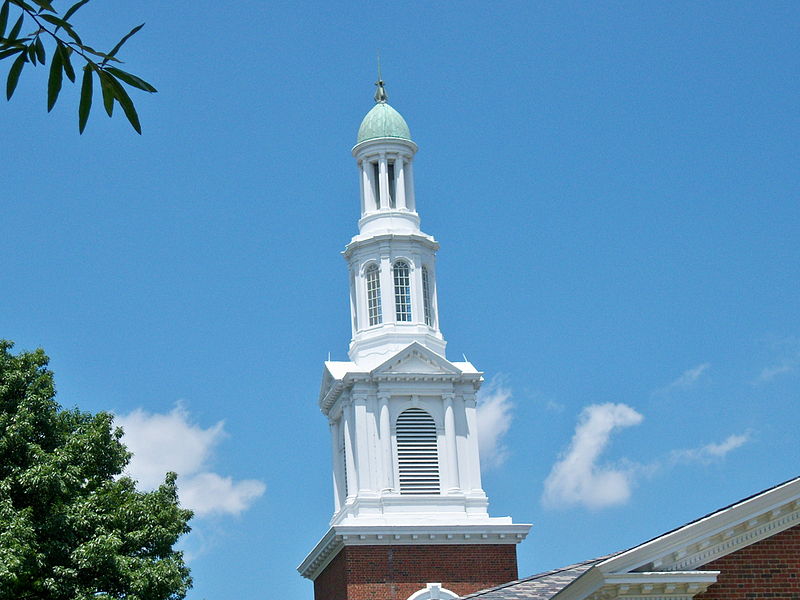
(767, 569)
(396, 572)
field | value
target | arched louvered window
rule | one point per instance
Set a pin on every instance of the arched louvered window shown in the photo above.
(426, 297)
(402, 291)
(373, 294)
(417, 453)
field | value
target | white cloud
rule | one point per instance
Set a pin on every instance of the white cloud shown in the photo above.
(786, 365)
(577, 479)
(170, 442)
(710, 452)
(208, 493)
(494, 420)
(686, 379)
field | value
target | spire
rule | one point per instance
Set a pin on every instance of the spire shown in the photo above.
(380, 94)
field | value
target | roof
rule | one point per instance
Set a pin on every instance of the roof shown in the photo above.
(674, 553)
(383, 122)
(537, 587)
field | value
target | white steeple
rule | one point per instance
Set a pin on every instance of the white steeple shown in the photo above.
(403, 418)
(392, 263)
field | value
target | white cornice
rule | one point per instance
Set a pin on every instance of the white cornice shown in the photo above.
(657, 585)
(716, 535)
(416, 237)
(340, 536)
(333, 387)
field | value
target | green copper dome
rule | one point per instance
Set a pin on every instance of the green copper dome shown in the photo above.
(383, 121)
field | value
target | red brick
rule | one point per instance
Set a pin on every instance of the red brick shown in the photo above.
(767, 569)
(396, 572)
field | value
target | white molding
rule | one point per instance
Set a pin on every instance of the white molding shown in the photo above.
(433, 591)
(656, 585)
(340, 536)
(715, 535)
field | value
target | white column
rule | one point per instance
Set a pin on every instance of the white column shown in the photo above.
(362, 182)
(450, 442)
(385, 441)
(462, 443)
(372, 440)
(352, 473)
(470, 408)
(411, 201)
(400, 181)
(417, 304)
(383, 175)
(362, 441)
(354, 300)
(368, 175)
(432, 291)
(387, 288)
(338, 492)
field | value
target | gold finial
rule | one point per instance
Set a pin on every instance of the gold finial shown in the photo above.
(380, 94)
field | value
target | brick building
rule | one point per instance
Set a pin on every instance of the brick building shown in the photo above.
(749, 550)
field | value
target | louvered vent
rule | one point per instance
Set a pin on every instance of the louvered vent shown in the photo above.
(417, 455)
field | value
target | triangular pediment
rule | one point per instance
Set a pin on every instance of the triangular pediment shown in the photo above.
(676, 563)
(717, 534)
(416, 358)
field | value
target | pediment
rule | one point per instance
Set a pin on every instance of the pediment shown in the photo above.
(416, 358)
(717, 534)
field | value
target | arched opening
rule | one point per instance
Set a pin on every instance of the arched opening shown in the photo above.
(402, 291)
(433, 591)
(373, 279)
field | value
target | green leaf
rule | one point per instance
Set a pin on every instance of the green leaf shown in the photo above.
(44, 5)
(3, 18)
(65, 52)
(127, 104)
(116, 48)
(32, 52)
(40, 49)
(23, 5)
(13, 74)
(102, 55)
(54, 20)
(86, 98)
(72, 33)
(131, 79)
(7, 53)
(73, 9)
(55, 79)
(12, 35)
(108, 92)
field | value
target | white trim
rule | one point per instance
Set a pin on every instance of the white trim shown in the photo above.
(675, 585)
(433, 591)
(718, 534)
(340, 536)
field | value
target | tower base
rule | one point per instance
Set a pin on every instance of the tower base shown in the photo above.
(397, 572)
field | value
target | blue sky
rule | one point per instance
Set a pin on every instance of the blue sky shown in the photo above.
(615, 188)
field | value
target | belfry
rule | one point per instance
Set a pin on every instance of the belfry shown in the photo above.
(410, 514)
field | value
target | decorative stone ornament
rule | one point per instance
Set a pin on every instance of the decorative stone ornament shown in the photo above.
(403, 418)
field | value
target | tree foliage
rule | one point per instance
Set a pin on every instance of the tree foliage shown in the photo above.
(71, 527)
(36, 22)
